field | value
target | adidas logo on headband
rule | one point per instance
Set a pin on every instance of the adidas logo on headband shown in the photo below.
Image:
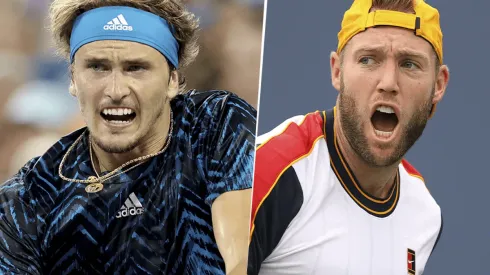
(119, 23)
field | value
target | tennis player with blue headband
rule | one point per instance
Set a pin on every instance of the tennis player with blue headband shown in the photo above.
(159, 181)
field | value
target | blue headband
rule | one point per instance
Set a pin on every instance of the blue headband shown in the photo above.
(126, 24)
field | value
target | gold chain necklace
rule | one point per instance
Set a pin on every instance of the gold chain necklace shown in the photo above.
(95, 183)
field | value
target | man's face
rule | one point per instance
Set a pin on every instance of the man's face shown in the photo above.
(388, 83)
(123, 89)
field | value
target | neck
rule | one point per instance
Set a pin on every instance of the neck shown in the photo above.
(152, 143)
(376, 181)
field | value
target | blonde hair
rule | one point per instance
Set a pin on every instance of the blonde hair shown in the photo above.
(62, 15)
(394, 5)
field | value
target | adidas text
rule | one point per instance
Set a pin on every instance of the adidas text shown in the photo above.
(118, 28)
(133, 211)
(132, 207)
(118, 23)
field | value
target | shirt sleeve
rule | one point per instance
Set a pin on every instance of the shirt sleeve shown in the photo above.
(438, 236)
(19, 242)
(278, 193)
(230, 147)
(275, 203)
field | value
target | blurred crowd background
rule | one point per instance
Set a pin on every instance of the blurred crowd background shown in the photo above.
(35, 106)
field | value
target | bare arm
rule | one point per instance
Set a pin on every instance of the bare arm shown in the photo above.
(231, 222)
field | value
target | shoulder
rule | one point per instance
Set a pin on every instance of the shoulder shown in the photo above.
(15, 193)
(292, 139)
(212, 101)
(415, 189)
(16, 183)
(280, 187)
(284, 150)
(215, 116)
(215, 112)
(412, 171)
(414, 179)
(50, 160)
(38, 176)
(417, 196)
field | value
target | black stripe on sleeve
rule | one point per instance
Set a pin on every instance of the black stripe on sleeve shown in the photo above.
(273, 218)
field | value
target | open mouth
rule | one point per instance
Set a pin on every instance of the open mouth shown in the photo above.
(118, 115)
(384, 121)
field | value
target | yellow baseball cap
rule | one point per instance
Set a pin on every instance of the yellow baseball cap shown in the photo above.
(425, 22)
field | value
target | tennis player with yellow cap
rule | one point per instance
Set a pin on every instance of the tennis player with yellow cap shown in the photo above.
(333, 193)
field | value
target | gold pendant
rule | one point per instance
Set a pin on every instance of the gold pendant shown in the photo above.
(94, 187)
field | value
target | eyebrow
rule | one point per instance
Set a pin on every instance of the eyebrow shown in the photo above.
(370, 49)
(412, 54)
(124, 61)
(399, 53)
(96, 60)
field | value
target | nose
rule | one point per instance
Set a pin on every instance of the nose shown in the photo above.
(117, 88)
(389, 78)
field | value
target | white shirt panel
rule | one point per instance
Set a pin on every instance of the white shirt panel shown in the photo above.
(331, 234)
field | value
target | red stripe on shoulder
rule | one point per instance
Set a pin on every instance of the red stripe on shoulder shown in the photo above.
(279, 153)
(411, 170)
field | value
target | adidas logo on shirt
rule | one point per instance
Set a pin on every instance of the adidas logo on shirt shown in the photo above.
(132, 207)
(119, 23)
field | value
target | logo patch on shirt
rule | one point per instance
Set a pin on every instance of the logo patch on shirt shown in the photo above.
(132, 207)
(411, 261)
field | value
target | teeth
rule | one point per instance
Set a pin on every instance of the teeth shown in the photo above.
(382, 133)
(120, 122)
(117, 111)
(385, 109)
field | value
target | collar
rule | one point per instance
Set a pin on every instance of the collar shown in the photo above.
(374, 206)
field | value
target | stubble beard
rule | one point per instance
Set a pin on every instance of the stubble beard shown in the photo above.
(353, 131)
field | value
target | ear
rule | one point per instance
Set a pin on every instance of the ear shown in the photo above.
(442, 79)
(173, 84)
(335, 70)
(72, 89)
